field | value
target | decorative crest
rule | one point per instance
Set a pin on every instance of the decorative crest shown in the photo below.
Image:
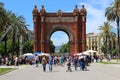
(59, 13)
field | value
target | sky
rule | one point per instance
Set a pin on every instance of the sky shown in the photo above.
(95, 12)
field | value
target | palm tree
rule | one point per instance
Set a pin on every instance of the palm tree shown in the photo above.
(107, 35)
(19, 28)
(113, 14)
(1, 10)
(7, 27)
(2, 14)
(4, 26)
(22, 31)
(14, 27)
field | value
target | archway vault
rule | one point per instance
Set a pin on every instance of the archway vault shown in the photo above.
(72, 23)
(61, 28)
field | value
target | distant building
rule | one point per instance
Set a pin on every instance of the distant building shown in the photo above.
(57, 48)
(93, 42)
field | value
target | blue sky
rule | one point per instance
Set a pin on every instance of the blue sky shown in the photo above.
(95, 12)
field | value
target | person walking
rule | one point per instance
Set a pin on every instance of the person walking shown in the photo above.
(44, 62)
(69, 65)
(36, 60)
(50, 62)
(16, 61)
(75, 62)
(82, 64)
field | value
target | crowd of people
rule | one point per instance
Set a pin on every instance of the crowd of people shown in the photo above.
(14, 60)
(78, 62)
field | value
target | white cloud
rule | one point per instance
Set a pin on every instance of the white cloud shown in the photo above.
(95, 18)
(103, 3)
(95, 14)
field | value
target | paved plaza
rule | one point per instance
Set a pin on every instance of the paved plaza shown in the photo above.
(95, 71)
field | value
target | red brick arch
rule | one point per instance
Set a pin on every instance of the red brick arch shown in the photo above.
(72, 23)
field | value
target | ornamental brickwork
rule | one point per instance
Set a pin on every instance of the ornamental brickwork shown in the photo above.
(73, 23)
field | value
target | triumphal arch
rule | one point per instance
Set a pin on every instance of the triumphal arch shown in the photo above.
(72, 23)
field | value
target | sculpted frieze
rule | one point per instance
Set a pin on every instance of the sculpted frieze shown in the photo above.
(59, 19)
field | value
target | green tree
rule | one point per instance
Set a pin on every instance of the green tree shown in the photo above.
(14, 27)
(8, 48)
(114, 52)
(4, 24)
(1, 49)
(112, 12)
(52, 47)
(107, 35)
(2, 14)
(65, 48)
(21, 32)
(19, 29)
(28, 47)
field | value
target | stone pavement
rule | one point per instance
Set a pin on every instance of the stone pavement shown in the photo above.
(95, 71)
(18, 67)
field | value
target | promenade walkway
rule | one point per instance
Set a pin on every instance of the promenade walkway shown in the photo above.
(95, 71)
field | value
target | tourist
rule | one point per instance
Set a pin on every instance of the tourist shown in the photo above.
(36, 60)
(82, 64)
(44, 62)
(16, 61)
(69, 65)
(75, 62)
(50, 62)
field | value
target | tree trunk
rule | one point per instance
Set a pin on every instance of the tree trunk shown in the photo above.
(5, 39)
(18, 46)
(13, 44)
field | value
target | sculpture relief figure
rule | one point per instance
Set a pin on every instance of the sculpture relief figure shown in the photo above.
(42, 11)
(76, 10)
(83, 13)
(59, 13)
(35, 13)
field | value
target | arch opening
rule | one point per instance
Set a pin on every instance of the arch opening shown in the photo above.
(60, 40)
(64, 32)
(60, 28)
